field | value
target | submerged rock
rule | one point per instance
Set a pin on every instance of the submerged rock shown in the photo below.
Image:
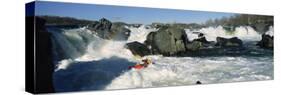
(198, 82)
(266, 42)
(108, 30)
(231, 42)
(138, 48)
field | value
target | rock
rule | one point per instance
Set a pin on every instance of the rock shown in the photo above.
(194, 45)
(103, 24)
(150, 43)
(167, 41)
(266, 42)
(231, 42)
(198, 82)
(101, 28)
(200, 35)
(204, 43)
(202, 39)
(138, 48)
(107, 30)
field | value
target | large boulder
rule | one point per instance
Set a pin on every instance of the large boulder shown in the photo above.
(108, 30)
(231, 42)
(101, 28)
(151, 43)
(138, 49)
(167, 41)
(266, 42)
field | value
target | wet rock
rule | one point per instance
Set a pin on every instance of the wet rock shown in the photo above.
(167, 40)
(202, 39)
(108, 30)
(198, 82)
(266, 42)
(150, 43)
(138, 48)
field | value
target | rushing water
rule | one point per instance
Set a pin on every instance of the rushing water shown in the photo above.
(87, 62)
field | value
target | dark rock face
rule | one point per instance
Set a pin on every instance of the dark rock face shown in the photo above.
(103, 24)
(202, 39)
(199, 43)
(232, 42)
(107, 30)
(204, 42)
(150, 43)
(167, 41)
(266, 42)
(138, 48)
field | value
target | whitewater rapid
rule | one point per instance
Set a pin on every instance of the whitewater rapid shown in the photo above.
(94, 63)
(171, 71)
(245, 33)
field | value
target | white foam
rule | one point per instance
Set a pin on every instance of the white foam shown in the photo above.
(62, 65)
(104, 49)
(139, 34)
(168, 71)
(245, 33)
(187, 70)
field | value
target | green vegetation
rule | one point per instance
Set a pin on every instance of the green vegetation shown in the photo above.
(241, 20)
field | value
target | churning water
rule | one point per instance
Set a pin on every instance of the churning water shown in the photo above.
(86, 62)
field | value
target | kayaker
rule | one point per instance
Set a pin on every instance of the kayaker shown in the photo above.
(144, 64)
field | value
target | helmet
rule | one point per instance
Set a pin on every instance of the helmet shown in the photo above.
(147, 60)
